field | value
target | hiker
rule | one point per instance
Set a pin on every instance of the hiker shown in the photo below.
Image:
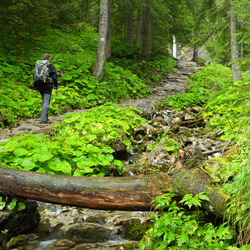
(45, 77)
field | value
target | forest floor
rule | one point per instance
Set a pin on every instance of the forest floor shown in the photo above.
(175, 83)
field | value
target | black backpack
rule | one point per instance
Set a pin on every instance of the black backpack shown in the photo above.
(41, 72)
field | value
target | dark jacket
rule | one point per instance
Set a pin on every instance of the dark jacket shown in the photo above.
(47, 87)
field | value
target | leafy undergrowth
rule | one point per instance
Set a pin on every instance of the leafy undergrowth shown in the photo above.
(73, 55)
(228, 109)
(80, 146)
(178, 229)
(201, 87)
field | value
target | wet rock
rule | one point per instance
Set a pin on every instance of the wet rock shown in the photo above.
(176, 121)
(154, 158)
(200, 122)
(196, 109)
(134, 229)
(154, 131)
(63, 243)
(17, 242)
(147, 110)
(121, 152)
(189, 117)
(17, 222)
(141, 131)
(89, 232)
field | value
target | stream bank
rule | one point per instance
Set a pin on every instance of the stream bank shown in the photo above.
(60, 226)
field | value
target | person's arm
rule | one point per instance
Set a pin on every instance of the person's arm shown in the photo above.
(53, 75)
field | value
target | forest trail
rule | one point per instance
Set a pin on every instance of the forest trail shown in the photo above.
(175, 83)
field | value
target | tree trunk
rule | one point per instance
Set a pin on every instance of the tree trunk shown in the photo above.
(234, 45)
(130, 31)
(148, 30)
(108, 45)
(116, 193)
(195, 56)
(139, 33)
(103, 28)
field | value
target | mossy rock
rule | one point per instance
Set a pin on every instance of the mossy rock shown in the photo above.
(17, 242)
(220, 168)
(126, 247)
(134, 229)
(187, 133)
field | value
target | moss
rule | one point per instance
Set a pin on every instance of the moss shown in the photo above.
(126, 247)
(17, 241)
(134, 229)
(187, 133)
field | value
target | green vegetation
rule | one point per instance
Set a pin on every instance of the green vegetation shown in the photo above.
(83, 144)
(73, 56)
(80, 146)
(227, 108)
(211, 80)
(180, 229)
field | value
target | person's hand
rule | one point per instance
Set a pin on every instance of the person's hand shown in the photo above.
(57, 90)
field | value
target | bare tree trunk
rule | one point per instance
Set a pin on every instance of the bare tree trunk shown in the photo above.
(103, 28)
(130, 31)
(116, 193)
(195, 55)
(139, 33)
(148, 30)
(17, 24)
(139, 30)
(108, 46)
(234, 44)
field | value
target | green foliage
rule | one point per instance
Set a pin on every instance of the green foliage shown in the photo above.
(121, 84)
(73, 55)
(157, 65)
(190, 200)
(178, 229)
(171, 144)
(11, 203)
(201, 87)
(228, 109)
(81, 145)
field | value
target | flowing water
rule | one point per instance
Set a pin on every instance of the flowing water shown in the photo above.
(99, 229)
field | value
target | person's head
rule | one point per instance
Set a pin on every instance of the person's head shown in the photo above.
(47, 57)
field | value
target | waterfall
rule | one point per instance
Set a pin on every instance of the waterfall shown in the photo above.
(175, 49)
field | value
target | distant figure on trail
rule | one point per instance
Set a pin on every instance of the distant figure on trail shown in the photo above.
(44, 78)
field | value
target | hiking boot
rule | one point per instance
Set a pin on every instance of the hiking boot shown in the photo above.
(46, 122)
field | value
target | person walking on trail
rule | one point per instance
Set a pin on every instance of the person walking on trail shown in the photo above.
(45, 77)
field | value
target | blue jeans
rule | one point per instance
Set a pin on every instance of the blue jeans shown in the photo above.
(45, 107)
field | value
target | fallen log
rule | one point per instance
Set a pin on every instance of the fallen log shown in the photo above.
(114, 193)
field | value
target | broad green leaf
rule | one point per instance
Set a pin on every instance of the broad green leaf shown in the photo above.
(20, 152)
(42, 156)
(60, 166)
(12, 204)
(20, 206)
(28, 164)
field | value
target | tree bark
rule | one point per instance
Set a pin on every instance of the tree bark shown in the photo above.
(108, 45)
(115, 193)
(234, 45)
(103, 28)
(139, 30)
(148, 30)
(130, 31)
(195, 55)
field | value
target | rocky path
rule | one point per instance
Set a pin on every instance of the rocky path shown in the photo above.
(169, 85)
(111, 230)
